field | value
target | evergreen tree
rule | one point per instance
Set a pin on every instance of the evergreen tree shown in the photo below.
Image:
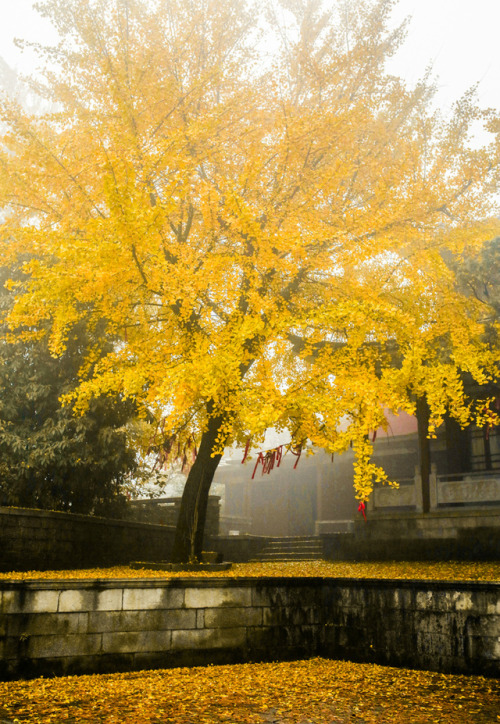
(50, 458)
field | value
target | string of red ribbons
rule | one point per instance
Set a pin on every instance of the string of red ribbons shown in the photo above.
(271, 458)
(496, 404)
(362, 508)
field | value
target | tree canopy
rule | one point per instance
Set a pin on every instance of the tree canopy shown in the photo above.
(261, 214)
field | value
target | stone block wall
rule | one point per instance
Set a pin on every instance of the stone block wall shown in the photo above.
(446, 524)
(49, 628)
(42, 540)
(457, 535)
(440, 626)
(56, 627)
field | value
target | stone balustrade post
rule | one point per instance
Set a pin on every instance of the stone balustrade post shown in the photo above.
(419, 498)
(433, 487)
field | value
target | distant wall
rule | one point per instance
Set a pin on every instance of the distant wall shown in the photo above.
(287, 502)
(437, 524)
(468, 545)
(165, 511)
(459, 535)
(72, 627)
(42, 540)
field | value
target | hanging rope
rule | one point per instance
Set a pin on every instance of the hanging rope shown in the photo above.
(273, 457)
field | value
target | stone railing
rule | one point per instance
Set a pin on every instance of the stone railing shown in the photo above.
(468, 488)
(408, 495)
(472, 489)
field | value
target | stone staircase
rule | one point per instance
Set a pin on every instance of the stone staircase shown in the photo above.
(300, 548)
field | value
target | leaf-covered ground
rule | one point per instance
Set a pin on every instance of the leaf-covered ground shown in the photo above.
(317, 691)
(450, 570)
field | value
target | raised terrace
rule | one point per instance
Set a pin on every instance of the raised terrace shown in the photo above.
(83, 626)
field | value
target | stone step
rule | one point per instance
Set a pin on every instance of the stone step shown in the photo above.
(285, 558)
(292, 545)
(309, 554)
(292, 548)
(285, 539)
(293, 552)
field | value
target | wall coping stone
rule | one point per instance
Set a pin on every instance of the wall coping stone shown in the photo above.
(63, 515)
(244, 582)
(247, 536)
(483, 512)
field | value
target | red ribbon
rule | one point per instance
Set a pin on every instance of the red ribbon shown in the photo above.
(361, 509)
(297, 452)
(247, 448)
(259, 460)
(269, 459)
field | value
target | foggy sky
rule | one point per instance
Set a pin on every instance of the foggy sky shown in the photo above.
(458, 37)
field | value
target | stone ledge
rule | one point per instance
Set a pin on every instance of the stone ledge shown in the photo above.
(72, 518)
(260, 583)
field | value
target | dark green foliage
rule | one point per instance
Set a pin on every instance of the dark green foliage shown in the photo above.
(50, 458)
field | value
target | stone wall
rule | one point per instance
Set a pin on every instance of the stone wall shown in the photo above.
(56, 627)
(479, 545)
(437, 524)
(435, 625)
(456, 535)
(44, 540)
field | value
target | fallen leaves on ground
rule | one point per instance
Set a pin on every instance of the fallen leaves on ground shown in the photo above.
(317, 691)
(305, 692)
(446, 571)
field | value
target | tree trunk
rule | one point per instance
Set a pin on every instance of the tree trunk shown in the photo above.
(424, 451)
(193, 512)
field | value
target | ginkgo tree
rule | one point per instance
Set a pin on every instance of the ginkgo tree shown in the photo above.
(259, 213)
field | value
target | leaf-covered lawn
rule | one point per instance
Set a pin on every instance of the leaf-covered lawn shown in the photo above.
(451, 571)
(317, 691)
